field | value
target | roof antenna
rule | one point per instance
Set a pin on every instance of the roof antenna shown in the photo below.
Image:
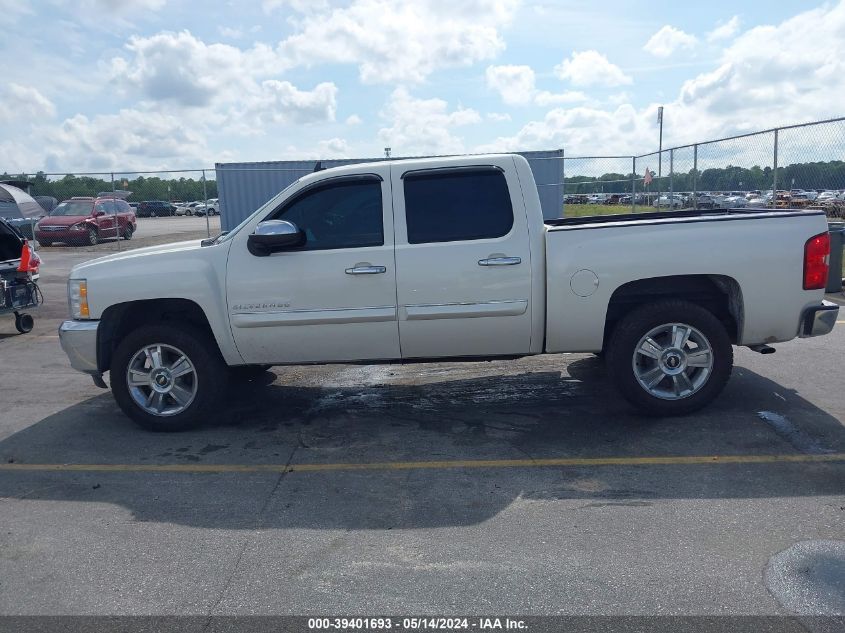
(319, 166)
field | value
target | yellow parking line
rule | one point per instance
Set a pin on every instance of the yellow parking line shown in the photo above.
(677, 460)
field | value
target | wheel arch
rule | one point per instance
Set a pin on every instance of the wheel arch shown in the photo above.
(719, 294)
(119, 319)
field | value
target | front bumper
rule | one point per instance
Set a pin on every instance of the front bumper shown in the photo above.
(819, 320)
(79, 341)
(61, 235)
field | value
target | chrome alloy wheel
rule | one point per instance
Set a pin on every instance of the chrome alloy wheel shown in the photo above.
(162, 380)
(673, 361)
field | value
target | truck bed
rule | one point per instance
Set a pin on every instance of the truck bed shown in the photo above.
(760, 263)
(660, 217)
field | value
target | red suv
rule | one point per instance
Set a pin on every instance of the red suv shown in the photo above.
(86, 221)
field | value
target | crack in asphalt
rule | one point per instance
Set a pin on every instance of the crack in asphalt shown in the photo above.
(247, 540)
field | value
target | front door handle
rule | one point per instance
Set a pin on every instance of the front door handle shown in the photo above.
(366, 270)
(500, 261)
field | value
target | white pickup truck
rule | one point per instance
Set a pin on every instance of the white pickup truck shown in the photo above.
(445, 258)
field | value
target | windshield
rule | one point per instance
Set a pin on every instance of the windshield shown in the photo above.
(73, 207)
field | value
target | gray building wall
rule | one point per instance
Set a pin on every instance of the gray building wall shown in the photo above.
(243, 187)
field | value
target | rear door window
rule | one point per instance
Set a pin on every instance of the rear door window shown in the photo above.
(453, 205)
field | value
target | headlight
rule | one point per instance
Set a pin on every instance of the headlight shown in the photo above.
(77, 227)
(77, 294)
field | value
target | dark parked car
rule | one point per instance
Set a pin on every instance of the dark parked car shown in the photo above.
(155, 208)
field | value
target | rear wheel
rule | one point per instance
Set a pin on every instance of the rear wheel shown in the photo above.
(670, 357)
(168, 378)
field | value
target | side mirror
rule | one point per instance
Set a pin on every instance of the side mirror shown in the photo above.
(272, 236)
(97, 214)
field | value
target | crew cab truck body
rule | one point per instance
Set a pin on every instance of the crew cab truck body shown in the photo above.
(445, 258)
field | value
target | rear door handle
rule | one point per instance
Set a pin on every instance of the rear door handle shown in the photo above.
(366, 270)
(500, 261)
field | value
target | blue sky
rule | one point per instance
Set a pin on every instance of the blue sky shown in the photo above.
(158, 84)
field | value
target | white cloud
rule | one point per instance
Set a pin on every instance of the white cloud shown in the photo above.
(282, 102)
(544, 98)
(231, 33)
(767, 77)
(423, 126)
(515, 84)
(179, 69)
(12, 10)
(498, 117)
(128, 5)
(669, 40)
(303, 6)
(393, 41)
(587, 68)
(19, 102)
(580, 130)
(353, 119)
(333, 148)
(129, 139)
(724, 31)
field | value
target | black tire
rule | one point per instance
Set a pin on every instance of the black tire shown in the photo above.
(632, 328)
(93, 237)
(127, 233)
(211, 375)
(24, 323)
(45, 244)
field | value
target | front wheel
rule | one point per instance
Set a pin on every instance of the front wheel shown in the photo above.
(168, 378)
(670, 357)
(93, 238)
(127, 232)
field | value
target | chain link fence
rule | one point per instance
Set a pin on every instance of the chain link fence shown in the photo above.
(800, 166)
(109, 212)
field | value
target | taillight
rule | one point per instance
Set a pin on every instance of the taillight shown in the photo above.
(816, 261)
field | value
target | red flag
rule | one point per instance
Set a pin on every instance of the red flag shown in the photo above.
(647, 177)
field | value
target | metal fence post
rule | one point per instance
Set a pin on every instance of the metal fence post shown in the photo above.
(671, 178)
(562, 197)
(114, 211)
(633, 183)
(205, 201)
(775, 173)
(563, 183)
(695, 176)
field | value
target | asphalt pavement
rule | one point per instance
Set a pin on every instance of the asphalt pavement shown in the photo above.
(522, 486)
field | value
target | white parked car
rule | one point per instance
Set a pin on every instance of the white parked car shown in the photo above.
(445, 258)
(735, 202)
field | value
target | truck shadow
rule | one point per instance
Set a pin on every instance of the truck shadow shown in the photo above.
(529, 415)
